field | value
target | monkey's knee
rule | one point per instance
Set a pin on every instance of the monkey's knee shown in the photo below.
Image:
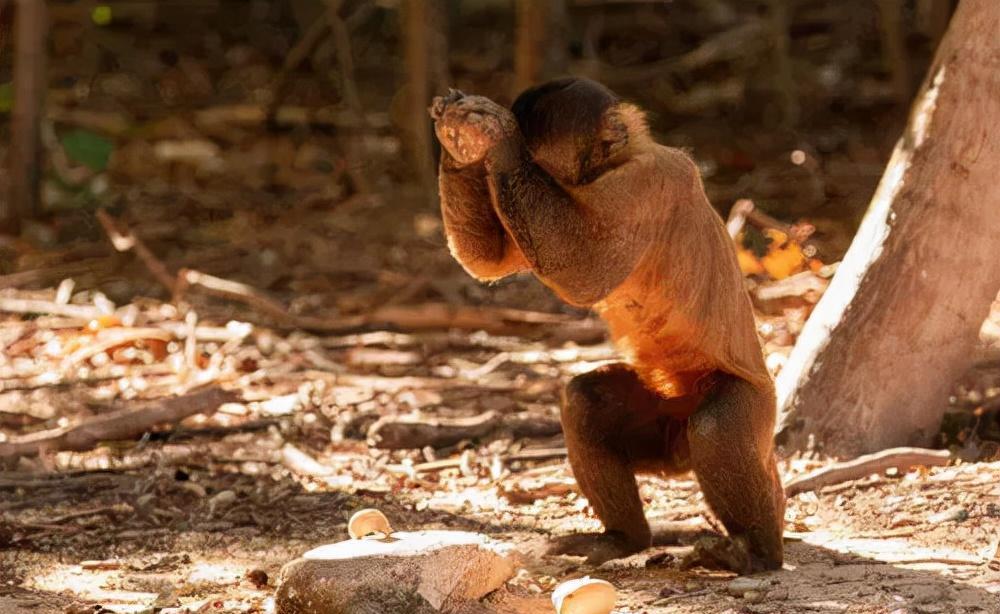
(734, 410)
(592, 401)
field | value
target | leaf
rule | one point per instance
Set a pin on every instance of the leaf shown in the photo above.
(101, 15)
(784, 256)
(87, 148)
(6, 97)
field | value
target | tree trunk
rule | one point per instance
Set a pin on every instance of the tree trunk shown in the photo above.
(875, 363)
(425, 51)
(30, 58)
(539, 42)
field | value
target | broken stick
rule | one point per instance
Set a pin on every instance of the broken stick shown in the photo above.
(122, 424)
(416, 432)
(902, 458)
(409, 432)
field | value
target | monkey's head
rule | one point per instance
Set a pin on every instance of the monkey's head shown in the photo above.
(576, 128)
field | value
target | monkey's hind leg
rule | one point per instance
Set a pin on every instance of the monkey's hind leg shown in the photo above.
(732, 454)
(612, 431)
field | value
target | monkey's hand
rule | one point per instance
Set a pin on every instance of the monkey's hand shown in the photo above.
(470, 126)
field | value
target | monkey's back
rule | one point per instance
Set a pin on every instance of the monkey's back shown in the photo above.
(683, 313)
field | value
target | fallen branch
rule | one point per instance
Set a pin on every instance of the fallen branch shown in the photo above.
(902, 458)
(415, 432)
(427, 316)
(411, 432)
(526, 425)
(117, 509)
(380, 383)
(123, 424)
(533, 454)
(48, 378)
(54, 273)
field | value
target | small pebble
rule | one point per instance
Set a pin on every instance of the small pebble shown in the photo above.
(953, 514)
(738, 587)
(753, 596)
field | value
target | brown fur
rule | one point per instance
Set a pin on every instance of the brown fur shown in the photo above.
(576, 190)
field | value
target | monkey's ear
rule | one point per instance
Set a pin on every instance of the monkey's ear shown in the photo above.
(621, 124)
(614, 133)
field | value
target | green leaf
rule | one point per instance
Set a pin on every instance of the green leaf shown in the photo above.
(6, 97)
(91, 150)
(101, 15)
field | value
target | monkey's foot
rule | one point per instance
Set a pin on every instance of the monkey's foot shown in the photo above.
(728, 553)
(597, 547)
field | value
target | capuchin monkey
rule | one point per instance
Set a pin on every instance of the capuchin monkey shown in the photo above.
(569, 184)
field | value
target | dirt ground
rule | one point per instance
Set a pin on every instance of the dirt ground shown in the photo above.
(168, 535)
(184, 516)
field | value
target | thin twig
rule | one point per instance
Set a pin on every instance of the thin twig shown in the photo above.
(127, 240)
(679, 596)
(113, 337)
(301, 463)
(11, 304)
(523, 455)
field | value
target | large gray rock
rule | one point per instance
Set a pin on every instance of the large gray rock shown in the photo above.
(419, 572)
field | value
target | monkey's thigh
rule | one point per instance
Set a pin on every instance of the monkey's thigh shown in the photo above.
(611, 405)
(732, 454)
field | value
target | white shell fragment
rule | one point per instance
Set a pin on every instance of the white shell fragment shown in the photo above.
(366, 522)
(584, 595)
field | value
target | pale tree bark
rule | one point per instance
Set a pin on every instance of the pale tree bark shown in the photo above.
(898, 324)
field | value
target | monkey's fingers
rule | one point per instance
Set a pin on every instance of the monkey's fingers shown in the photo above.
(439, 103)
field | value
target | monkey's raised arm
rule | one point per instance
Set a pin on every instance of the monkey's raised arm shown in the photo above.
(583, 240)
(581, 237)
(475, 235)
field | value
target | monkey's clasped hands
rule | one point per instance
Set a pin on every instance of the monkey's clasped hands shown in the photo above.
(468, 127)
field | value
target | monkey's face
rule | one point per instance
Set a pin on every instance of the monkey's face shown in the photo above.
(572, 128)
